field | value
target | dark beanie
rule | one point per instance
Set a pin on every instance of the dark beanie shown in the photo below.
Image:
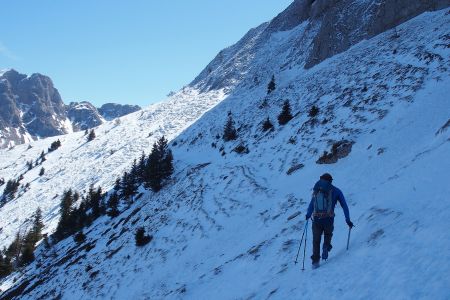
(327, 177)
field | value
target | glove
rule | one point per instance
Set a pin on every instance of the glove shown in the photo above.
(350, 223)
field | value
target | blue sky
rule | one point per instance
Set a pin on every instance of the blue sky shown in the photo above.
(133, 51)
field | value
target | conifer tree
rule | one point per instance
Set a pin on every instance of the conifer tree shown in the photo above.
(10, 190)
(112, 205)
(15, 248)
(6, 266)
(117, 185)
(229, 131)
(159, 165)
(42, 171)
(38, 225)
(80, 237)
(267, 125)
(141, 167)
(271, 86)
(166, 159)
(285, 115)
(94, 201)
(27, 251)
(141, 238)
(42, 156)
(129, 186)
(313, 111)
(55, 145)
(91, 135)
(64, 225)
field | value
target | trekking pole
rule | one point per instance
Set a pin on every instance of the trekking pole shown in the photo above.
(304, 248)
(348, 238)
(301, 241)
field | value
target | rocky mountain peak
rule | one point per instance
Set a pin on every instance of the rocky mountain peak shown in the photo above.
(31, 107)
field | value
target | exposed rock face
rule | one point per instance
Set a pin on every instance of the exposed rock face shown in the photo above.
(339, 150)
(111, 111)
(332, 27)
(83, 115)
(30, 106)
(347, 22)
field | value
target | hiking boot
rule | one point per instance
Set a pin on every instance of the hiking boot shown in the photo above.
(325, 253)
(315, 265)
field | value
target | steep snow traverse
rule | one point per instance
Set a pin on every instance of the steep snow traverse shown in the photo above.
(205, 195)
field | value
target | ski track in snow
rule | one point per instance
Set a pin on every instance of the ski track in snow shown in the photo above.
(222, 228)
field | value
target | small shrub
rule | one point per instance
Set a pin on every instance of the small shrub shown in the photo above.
(267, 125)
(80, 237)
(55, 145)
(241, 149)
(141, 238)
(314, 111)
(229, 131)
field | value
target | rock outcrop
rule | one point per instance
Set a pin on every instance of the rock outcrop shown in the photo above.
(31, 107)
(111, 111)
(83, 115)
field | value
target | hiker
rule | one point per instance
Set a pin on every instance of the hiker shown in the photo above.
(321, 208)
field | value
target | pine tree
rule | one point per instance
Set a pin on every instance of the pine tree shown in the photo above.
(129, 186)
(141, 238)
(46, 242)
(42, 171)
(285, 115)
(38, 225)
(141, 167)
(91, 135)
(94, 201)
(314, 111)
(79, 216)
(271, 86)
(167, 165)
(64, 225)
(229, 131)
(6, 266)
(27, 251)
(166, 159)
(54, 146)
(80, 237)
(42, 156)
(152, 178)
(15, 248)
(159, 165)
(117, 185)
(135, 176)
(112, 205)
(267, 125)
(10, 189)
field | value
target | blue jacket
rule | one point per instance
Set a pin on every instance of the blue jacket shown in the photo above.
(336, 196)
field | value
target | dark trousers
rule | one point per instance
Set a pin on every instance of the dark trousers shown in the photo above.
(319, 226)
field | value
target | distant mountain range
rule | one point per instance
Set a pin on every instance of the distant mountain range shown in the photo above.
(31, 107)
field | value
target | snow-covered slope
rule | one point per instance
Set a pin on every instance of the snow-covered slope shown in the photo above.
(78, 163)
(227, 226)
